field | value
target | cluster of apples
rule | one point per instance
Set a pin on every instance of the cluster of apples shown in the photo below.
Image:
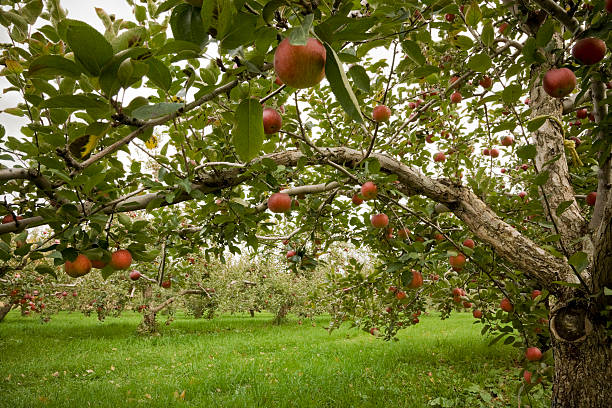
(81, 266)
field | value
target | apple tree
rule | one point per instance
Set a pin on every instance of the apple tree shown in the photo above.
(438, 123)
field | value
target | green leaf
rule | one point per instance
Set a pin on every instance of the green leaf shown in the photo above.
(46, 270)
(157, 110)
(545, 32)
(541, 178)
(340, 86)
(535, 124)
(240, 31)
(526, 152)
(159, 74)
(186, 24)
(568, 284)
(473, 16)
(529, 49)
(109, 79)
(89, 46)
(512, 93)
(414, 52)
(580, 260)
(299, 35)
(168, 4)
(74, 102)
(49, 66)
(248, 133)
(563, 206)
(175, 46)
(360, 77)
(488, 34)
(270, 8)
(32, 10)
(480, 62)
(207, 14)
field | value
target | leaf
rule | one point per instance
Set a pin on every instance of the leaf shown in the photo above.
(512, 93)
(529, 49)
(239, 32)
(168, 4)
(299, 35)
(159, 74)
(414, 52)
(49, 66)
(207, 14)
(360, 77)
(157, 110)
(473, 16)
(248, 133)
(526, 152)
(545, 32)
(74, 102)
(175, 46)
(270, 8)
(580, 260)
(186, 24)
(46, 270)
(32, 10)
(340, 86)
(541, 178)
(535, 124)
(488, 34)
(89, 46)
(569, 284)
(563, 206)
(480, 62)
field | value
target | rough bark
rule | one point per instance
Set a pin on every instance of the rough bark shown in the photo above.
(4, 309)
(282, 313)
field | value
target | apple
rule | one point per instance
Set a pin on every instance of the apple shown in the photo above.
(609, 6)
(438, 237)
(417, 280)
(439, 157)
(457, 292)
(449, 17)
(576, 140)
(486, 152)
(135, 275)
(582, 113)
(415, 320)
(494, 153)
(469, 243)
(400, 295)
(300, 66)
(591, 198)
(166, 284)
(455, 97)
(121, 259)
(411, 105)
(428, 139)
(506, 305)
(559, 82)
(374, 331)
(477, 313)
(535, 293)
(99, 264)
(467, 304)
(507, 141)
(533, 354)
(589, 51)
(381, 113)
(9, 218)
(379, 220)
(486, 82)
(392, 289)
(524, 167)
(502, 27)
(457, 261)
(403, 233)
(522, 194)
(503, 171)
(79, 267)
(279, 203)
(291, 254)
(369, 190)
(527, 377)
(272, 121)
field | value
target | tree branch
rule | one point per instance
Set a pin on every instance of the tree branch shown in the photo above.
(560, 15)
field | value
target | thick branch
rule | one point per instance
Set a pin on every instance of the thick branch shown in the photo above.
(168, 301)
(559, 14)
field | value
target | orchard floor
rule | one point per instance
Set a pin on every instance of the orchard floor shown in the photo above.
(239, 361)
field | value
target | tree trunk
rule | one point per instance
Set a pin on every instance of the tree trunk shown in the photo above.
(252, 312)
(4, 309)
(282, 313)
(583, 360)
(148, 325)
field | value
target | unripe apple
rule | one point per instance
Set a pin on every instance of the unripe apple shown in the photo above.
(135, 275)
(121, 259)
(455, 97)
(381, 113)
(457, 261)
(559, 82)
(369, 190)
(486, 82)
(591, 198)
(506, 305)
(439, 157)
(469, 243)
(533, 354)
(356, 200)
(79, 267)
(272, 121)
(589, 51)
(477, 313)
(417, 280)
(279, 203)
(379, 220)
(300, 66)
(507, 141)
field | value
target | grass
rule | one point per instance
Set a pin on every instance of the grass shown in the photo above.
(239, 361)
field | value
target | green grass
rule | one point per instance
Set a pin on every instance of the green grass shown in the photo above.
(239, 361)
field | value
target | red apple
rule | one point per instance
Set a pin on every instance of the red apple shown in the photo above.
(502, 27)
(381, 113)
(429, 139)
(591, 198)
(439, 157)
(494, 153)
(522, 194)
(291, 254)
(469, 243)
(357, 200)
(374, 331)
(369, 190)
(79, 267)
(477, 313)
(121, 259)
(272, 121)
(589, 51)
(559, 82)
(457, 261)
(300, 66)
(166, 284)
(449, 17)
(455, 97)
(533, 354)
(582, 113)
(506, 305)
(417, 280)
(467, 304)
(99, 264)
(486, 82)
(9, 218)
(279, 203)
(507, 141)
(486, 152)
(403, 233)
(535, 293)
(400, 295)
(502, 171)
(135, 275)
(379, 220)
